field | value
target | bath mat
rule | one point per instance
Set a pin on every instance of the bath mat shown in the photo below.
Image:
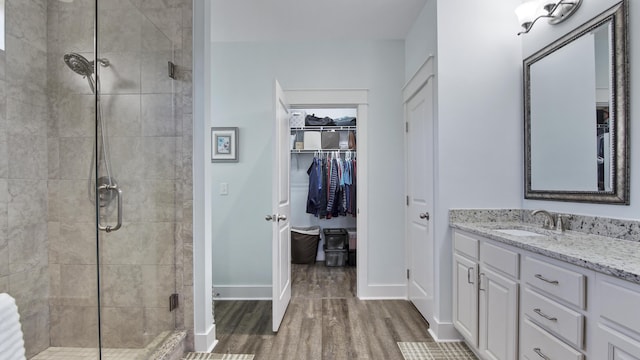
(210, 356)
(435, 351)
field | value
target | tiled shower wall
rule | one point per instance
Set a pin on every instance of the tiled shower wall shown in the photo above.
(23, 167)
(142, 109)
(47, 230)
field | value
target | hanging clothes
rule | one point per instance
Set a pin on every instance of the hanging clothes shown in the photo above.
(331, 186)
(315, 186)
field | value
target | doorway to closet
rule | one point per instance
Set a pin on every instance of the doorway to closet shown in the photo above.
(323, 189)
(343, 143)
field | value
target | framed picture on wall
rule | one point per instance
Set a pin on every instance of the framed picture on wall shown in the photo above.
(224, 144)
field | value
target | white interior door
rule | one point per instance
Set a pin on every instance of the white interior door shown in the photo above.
(281, 204)
(419, 116)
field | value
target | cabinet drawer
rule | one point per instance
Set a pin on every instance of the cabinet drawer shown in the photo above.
(500, 259)
(552, 316)
(620, 304)
(466, 245)
(536, 343)
(562, 283)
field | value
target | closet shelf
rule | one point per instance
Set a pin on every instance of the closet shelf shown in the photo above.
(302, 151)
(324, 128)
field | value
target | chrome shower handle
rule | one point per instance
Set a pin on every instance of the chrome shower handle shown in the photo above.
(109, 228)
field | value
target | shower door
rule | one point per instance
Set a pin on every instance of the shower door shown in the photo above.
(95, 150)
(138, 146)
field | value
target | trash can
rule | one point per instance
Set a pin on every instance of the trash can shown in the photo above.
(304, 244)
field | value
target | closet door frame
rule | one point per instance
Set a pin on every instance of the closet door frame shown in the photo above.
(358, 99)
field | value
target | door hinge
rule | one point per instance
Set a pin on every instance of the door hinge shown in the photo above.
(407, 200)
(174, 302)
(407, 273)
(406, 126)
(171, 68)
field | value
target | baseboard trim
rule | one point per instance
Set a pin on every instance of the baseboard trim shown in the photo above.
(205, 342)
(242, 292)
(384, 292)
(443, 331)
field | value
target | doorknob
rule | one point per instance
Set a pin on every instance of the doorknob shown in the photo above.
(424, 216)
(282, 217)
(269, 218)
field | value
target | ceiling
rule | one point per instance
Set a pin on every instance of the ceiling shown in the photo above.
(286, 20)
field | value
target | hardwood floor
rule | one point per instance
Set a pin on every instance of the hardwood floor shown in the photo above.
(324, 321)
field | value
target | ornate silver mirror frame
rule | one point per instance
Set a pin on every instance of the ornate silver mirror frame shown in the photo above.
(619, 103)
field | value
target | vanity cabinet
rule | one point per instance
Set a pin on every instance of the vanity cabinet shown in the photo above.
(617, 319)
(554, 300)
(485, 297)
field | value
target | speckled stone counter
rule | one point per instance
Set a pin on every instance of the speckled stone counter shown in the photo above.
(605, 254)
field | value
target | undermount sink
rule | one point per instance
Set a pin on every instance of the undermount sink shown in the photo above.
(518, 232)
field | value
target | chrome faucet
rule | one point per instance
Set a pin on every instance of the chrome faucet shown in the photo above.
(559, 223)
(550, 223)
(562, 222)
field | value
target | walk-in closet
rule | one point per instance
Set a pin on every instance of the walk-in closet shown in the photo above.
(323, 178)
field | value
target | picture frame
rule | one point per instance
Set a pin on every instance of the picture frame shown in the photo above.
(224, 144)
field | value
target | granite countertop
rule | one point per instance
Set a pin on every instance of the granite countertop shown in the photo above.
(611, 256)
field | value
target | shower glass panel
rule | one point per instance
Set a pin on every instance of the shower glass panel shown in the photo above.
(91, 174)
(138, 141)
(71, 141)
(113, 142)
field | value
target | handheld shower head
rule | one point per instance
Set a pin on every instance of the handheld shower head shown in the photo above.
(81, 66)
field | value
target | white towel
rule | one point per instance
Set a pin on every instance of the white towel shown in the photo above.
(11, 341)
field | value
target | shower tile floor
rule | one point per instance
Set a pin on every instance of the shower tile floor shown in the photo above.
(70, 353)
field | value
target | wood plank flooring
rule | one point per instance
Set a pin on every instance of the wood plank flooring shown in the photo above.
(324, 321)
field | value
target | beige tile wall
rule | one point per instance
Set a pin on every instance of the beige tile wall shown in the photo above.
(23, 168)
(47, 226)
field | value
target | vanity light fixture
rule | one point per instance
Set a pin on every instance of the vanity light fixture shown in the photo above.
(529, 12)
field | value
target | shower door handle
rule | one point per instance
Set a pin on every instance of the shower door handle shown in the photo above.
(108, 187)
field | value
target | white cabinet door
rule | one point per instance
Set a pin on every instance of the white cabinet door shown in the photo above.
(465, 298)
(498, 316)
(613, 345)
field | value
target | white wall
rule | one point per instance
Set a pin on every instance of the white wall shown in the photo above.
(243, 75)
(422, 39)
(543, 34)
(479, 118)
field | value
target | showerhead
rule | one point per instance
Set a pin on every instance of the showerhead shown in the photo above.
(81, 66)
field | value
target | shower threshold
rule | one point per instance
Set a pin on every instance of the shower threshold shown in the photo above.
(161, 348)
(74, 353)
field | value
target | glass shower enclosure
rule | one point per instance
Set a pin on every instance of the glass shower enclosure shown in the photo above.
(91, 141)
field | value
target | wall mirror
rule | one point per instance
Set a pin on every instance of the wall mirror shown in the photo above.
(576, 114)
